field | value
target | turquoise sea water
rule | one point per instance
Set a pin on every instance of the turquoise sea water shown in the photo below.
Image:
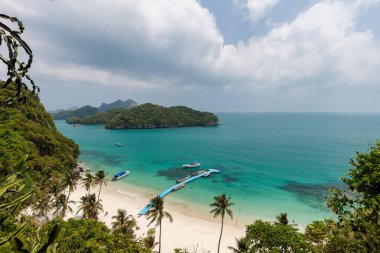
(270, 162)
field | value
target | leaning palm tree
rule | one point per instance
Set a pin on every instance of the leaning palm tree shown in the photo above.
(62, 205)
(282, 219)
(70, 182)
(124, 223)
(100, 179)
(88, 182)
(90, 207)
(156, 214)
(242, 246)
(221, 207)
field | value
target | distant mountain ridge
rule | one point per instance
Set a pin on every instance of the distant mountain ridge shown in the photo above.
(118, 104)
(87, 111)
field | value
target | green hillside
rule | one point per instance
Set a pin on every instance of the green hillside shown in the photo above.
(29, 129)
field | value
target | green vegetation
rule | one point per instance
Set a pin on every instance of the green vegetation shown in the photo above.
(82, 112)
(94, 114)
(155, 116)
(357, 209)
(28, 129)
(148, 116)
(221, 207)
(101, 118)
(17, 70)
(156, 214)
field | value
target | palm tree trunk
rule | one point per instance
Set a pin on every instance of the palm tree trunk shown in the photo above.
(159, 247)
(221, 231)
(100, 188)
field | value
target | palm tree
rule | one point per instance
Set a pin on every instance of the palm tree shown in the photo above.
(100, 179)
(70, 182)
(156, 214)
(282, 219)
(43, 206)
(56, 187)
(149, 241)
(124, 223)
(221, 207)
(90, 206)
(62, 205)
(88, 182)
(242, 246)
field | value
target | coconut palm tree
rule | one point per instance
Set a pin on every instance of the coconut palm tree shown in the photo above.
(90, 207)
(242, 246)
(282, 219)
(124, 223)
(56, 187)
(149, 241)
(88, 182)
(156, 214)
(42, 206)
(221, 207)
(62, 205)
(70, 182)
(100, 179)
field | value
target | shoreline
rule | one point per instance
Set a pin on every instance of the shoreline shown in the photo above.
(191, 229)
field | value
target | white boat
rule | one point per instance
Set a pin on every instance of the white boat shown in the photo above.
(120, 175)
(191, 165)
(118, 144)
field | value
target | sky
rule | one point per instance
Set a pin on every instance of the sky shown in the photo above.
(214, 55)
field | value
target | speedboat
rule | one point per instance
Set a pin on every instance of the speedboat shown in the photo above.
(191, 165)
(178, 187)
(118, 144)
(183, 179)
(120, 175)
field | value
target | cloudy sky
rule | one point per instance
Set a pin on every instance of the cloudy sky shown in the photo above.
(216, 55)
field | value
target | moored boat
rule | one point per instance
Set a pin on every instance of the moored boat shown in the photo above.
(207, 174)
(178, 187)
(120, 175)
(191, 165)
(197, 172)
(77, 125)
(183, 179)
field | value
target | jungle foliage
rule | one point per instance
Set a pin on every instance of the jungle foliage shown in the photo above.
(26, 128)
(147, 116)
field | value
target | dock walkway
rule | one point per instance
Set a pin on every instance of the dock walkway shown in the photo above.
(170, 189)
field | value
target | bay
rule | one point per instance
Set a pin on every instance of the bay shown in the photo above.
(269, 162)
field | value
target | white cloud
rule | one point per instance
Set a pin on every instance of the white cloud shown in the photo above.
(256, 10)
(176, 43)
(320, 47)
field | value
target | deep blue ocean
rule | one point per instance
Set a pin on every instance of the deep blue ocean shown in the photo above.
(270, 162)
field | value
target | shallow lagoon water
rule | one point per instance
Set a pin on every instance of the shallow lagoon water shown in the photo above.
(270, 162)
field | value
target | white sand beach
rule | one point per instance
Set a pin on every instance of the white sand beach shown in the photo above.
(197, 231)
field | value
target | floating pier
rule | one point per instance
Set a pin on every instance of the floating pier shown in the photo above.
(170, 189)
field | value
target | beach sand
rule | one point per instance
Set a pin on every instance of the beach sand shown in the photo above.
(193, 228)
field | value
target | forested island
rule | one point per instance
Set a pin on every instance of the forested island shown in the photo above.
(149, 116)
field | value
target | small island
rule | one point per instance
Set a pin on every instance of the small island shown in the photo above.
(149, 116)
